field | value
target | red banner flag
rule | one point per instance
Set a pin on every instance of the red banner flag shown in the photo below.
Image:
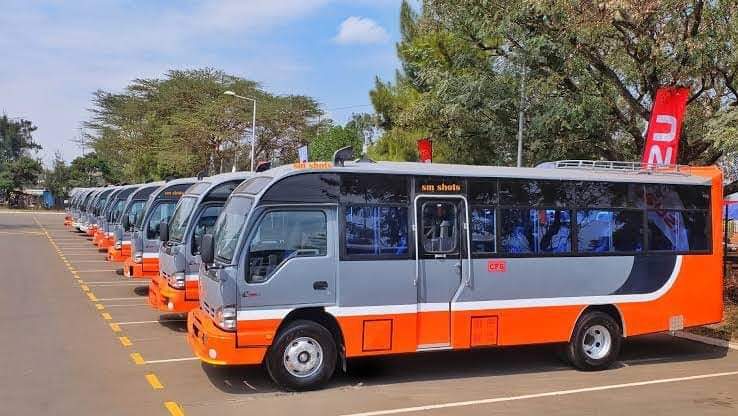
(665, 127)
(425, 150)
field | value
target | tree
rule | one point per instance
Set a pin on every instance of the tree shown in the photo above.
(17, 167)
(183, 124)
(592, 70)
(88, 171)
(58, 178)
(328, 141)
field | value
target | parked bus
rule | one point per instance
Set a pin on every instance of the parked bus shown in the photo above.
(98, 206)
(86, 208)
(175, 288)
(123, 229)
(111, 216)
(68, 206)
(313, 263)
(144, 260)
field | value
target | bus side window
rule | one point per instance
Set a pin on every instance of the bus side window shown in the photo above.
(205, 225)
(282, 236)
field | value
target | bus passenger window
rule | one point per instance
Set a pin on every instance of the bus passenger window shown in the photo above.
(376, 230)
(284, 235)
(604, 231)
(440, 227)
(205, 225)
(535, 231)
(483, 230)
(671, 230)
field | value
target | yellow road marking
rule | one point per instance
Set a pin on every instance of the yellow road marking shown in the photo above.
(115, 327)
(106, 316)
(99, 306)
(92, 296)
(137, 358)
(125, 341)
(154, 381)
(174, 409)
(85, 288)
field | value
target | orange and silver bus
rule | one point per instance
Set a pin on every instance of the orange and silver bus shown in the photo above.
(312, 264)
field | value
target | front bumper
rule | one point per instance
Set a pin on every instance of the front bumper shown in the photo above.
(141, 270)
(119, 255)
(165, 298)
(215, 346)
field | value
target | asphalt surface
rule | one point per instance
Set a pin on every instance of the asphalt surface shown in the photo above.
(60, 355)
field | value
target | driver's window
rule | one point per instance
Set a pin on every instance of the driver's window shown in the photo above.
(283, 235)
(205, 225)
(162, 213)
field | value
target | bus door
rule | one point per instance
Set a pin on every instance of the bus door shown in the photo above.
(441, 251)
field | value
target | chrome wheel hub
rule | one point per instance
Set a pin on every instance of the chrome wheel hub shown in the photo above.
(303, 357)
(597, 342)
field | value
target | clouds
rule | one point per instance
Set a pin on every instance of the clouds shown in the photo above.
(360, 30)
(56, 53)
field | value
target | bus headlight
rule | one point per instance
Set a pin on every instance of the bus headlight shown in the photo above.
(226, 318)
(179, 280)
(118, 245)
(138, 258)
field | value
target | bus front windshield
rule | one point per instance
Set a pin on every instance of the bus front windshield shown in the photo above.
(133, 215)
(181, 217)
(117, 209)
(229, 227)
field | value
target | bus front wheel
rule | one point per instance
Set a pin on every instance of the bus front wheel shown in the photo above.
(595, 343)
(303, 357)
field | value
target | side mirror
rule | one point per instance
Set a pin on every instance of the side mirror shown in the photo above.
(125, 222)
(207, 251)
(164, 231)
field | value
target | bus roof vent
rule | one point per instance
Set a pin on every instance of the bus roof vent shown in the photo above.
(343, 154)
(620, 166)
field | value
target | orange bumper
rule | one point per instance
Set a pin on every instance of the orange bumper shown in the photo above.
(119, 255)
(165, 298)
(105, 243)
(143, 270)
(91, 231)
(215, 346)
(96, 237)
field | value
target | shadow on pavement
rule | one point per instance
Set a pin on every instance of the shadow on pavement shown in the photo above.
(445, 365)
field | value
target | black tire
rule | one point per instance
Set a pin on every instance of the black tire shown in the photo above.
(586, 359)
(288, 336)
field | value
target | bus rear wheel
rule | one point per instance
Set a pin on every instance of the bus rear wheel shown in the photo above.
(595, 343)
(303, 357)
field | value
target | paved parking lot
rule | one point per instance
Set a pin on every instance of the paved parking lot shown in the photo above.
(79, 339)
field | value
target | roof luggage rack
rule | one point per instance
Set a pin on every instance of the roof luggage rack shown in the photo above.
(623, 166)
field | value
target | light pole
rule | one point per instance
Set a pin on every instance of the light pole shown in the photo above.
(253, 129)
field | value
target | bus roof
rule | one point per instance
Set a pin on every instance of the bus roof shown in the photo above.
(685, 175)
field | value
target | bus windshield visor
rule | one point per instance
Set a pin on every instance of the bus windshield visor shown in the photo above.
(229, 227)
(181, 217)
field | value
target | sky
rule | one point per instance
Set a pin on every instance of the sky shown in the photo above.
(54, 54)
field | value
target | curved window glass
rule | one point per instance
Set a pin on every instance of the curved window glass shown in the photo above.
(162, 213)
(229, 227)
(134, 214)
(181, 217)
(205, 225)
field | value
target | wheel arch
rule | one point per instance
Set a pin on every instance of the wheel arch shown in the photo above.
(318, 315)
(610, 309)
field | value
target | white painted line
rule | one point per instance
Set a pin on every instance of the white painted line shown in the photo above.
(707, 340)
(128, 298)
(123, 283)
(150, 322)
(539, 395)
(127, 305)
(171, 360)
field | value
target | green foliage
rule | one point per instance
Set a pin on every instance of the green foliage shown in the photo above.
(590, 74)
(88, 171)
(335, 137)
(17, 168)
(58, 178)
(182, 124)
